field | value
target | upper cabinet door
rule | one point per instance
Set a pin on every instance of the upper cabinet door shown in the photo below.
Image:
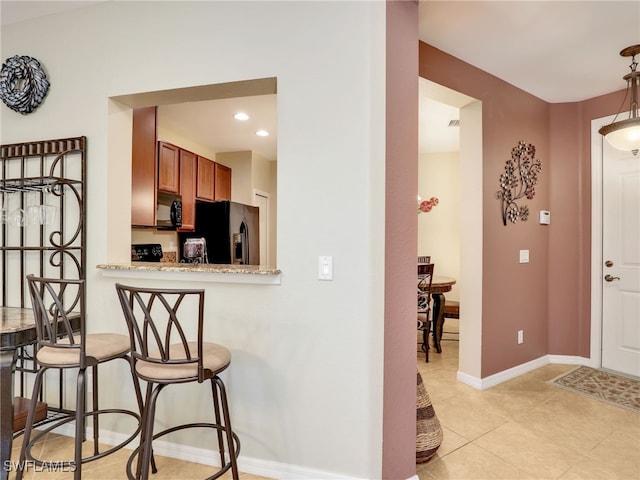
(168, 168)
(143, 167)
(205, 189)
(188, 189)
(223, 182)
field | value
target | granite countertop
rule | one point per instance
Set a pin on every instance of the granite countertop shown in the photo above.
(15, 319)
(190, 267)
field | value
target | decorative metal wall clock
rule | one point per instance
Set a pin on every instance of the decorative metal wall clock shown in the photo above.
(23, 84)
(518, 180)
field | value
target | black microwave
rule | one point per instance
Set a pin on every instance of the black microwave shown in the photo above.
(168, 210)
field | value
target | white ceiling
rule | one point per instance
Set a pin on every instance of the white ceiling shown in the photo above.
(211, 124)
(559, 51)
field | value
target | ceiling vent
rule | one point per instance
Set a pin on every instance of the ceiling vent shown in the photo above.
(454, 123)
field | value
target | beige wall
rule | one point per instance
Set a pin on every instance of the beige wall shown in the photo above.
(439, 229)
(306, 382)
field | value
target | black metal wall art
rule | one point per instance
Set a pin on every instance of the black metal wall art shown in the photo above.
(518, 180)
(23, 84)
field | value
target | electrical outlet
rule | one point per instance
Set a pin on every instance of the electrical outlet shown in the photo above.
(520, 336)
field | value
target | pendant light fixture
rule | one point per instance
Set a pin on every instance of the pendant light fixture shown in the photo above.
(625, 134)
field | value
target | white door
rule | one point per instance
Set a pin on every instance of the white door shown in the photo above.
(621, 260)
(261, 200)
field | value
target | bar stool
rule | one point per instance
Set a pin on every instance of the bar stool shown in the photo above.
(59, 311)
(157, 320)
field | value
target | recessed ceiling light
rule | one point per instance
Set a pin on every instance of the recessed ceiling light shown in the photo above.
(262, 133)
(241, 116)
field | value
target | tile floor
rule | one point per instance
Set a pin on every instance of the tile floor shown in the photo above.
(521, 429)
(525, 428)
(112, 467)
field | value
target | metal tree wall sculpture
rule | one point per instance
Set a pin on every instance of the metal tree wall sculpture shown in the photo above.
(518, 180)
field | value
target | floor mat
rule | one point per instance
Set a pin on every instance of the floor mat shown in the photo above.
(599, 384)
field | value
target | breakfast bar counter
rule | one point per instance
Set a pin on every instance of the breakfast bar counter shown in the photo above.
(208, 272)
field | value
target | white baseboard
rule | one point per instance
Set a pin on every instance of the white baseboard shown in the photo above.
(511, 373)
(570, 360)
(254, 466)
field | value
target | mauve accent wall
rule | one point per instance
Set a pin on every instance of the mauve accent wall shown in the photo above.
(514, 294)
(570, 240)
(401, 242)
(548, 298)
(571, 209)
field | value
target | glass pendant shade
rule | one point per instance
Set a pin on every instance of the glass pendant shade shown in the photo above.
(625, 134)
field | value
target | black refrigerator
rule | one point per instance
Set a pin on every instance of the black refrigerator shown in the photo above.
(231, 231)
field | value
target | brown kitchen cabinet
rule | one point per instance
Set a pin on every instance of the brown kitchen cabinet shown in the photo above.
(222, 175)
(143, 167)
(168, 167)
(188, 166)
(205, 185)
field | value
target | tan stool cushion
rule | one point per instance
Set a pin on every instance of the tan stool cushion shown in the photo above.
(215, 357)
(101, 346)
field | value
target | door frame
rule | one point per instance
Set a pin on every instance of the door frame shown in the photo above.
(597, 159)
(267, 213)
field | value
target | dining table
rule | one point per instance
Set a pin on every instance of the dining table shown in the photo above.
(17, 329)
(439, 286)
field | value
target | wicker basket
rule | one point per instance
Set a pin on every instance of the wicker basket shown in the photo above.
(429, 430)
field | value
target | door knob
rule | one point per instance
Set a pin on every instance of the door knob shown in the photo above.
(608, 263)
(609, 278)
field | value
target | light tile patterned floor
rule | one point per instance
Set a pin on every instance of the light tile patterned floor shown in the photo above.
(112, 467)
(525, 428)
(521, 429)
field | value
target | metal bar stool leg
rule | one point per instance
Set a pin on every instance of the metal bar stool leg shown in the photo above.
(26, 437)
(216, 408)
(96, 422)
(150, 414)
(227, 427)
(80, 406)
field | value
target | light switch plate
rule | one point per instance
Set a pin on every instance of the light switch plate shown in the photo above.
(524, 256)
(325, 267)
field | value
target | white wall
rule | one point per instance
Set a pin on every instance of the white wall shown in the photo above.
(241, 164)
(304, 380)
(439, 229)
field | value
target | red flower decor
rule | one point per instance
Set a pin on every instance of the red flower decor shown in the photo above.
(427, 205)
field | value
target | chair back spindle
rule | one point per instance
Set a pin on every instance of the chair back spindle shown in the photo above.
(54, 303)
(160, 323)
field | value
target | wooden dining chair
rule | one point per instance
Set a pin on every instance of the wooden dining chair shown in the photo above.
(451, 310)
(424, 259)
(425, 279)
